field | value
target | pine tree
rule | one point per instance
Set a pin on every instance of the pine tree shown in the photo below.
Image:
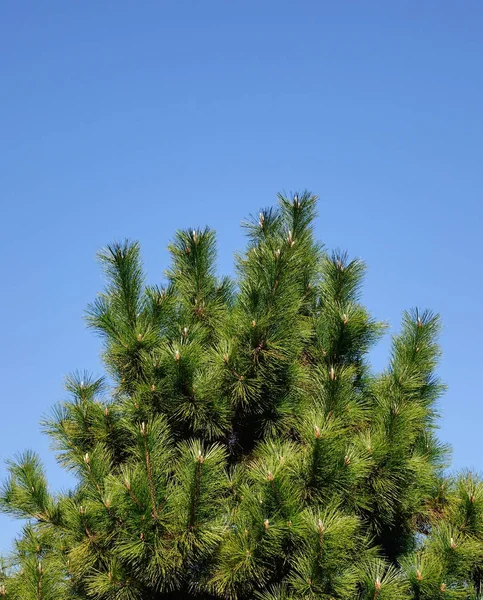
(240, 445)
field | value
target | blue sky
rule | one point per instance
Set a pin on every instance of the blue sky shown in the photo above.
(131, 119)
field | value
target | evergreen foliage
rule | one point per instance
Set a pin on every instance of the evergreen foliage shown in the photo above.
(241, 447)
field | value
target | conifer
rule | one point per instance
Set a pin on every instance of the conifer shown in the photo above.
(240, 446)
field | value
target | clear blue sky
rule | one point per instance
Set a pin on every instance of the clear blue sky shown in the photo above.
(131, 119)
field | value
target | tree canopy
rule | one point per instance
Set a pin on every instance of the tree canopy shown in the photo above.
(240, 445)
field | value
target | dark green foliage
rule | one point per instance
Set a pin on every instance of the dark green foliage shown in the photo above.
(243, 447)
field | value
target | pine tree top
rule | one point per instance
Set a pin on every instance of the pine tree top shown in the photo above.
(240, 445)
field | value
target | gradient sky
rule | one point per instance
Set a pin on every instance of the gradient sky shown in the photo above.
(131, 119)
